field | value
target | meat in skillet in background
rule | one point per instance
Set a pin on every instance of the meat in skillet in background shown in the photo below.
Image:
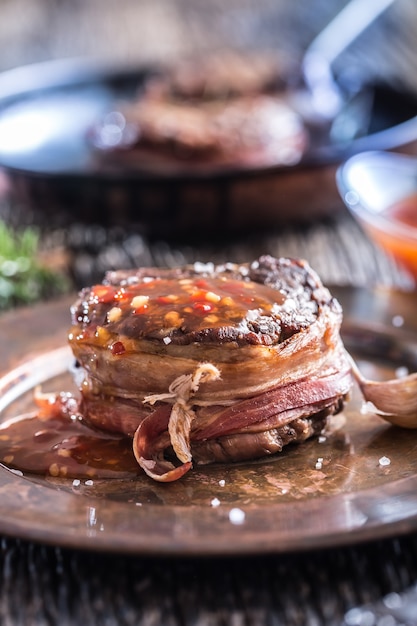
(225, 109)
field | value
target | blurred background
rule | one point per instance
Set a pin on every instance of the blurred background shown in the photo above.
(144, 32)
(136, 31)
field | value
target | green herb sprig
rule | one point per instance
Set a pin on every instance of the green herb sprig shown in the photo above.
(24, 278)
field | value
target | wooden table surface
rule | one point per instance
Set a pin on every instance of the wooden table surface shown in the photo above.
(44, 584)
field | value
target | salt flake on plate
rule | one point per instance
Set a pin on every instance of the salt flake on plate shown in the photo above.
(384, 461)
(237, 516)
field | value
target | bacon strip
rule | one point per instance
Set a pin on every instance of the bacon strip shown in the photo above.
(149, 443)
(271, 409)
(255, 413)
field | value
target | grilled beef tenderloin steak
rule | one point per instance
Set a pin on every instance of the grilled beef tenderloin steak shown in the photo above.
(211, 363)
(221, 109)
(250, 130)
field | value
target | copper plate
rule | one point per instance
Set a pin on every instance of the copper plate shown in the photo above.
(327, 492)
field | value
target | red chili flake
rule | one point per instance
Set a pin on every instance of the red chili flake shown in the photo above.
(199, 295)
(117, 348)
(202, 307)
(164, 299)
(103, 293)
(140, 309)
(121, 294)
(201, 284)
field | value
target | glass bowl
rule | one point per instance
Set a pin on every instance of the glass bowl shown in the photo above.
(380, 191)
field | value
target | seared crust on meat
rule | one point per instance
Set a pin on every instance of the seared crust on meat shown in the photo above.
(292, 291)
(248, 446)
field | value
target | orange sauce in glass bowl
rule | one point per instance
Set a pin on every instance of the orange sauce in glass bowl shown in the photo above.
(398, 235)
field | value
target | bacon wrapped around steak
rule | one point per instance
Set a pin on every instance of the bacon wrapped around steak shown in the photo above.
(210, 363)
